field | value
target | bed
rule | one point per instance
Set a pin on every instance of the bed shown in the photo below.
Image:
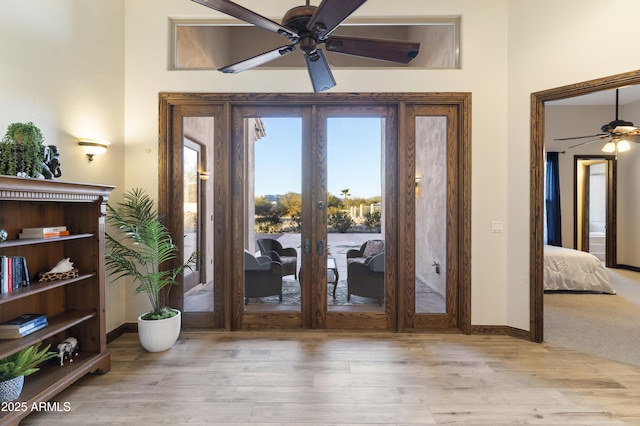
(574, 270)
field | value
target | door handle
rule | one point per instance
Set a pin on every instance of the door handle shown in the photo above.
(320, 247)
(307, 246)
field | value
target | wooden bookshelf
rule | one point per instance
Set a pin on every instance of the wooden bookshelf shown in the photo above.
(74, 307)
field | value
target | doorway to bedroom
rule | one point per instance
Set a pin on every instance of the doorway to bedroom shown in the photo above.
(536, 271)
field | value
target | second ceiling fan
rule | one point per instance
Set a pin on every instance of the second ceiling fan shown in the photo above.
(617, 131)
(307, 28)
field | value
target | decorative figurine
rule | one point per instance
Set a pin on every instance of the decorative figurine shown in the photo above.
(68, 349)
(3, 235)
(51, 163)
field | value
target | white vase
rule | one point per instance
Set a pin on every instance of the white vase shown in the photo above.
(11, 389)
(159, 335)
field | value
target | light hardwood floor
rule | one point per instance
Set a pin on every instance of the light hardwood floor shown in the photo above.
(338, 378)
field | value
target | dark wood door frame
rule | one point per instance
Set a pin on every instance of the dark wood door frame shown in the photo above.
(194, 104)
(536, 190)
(611, 178)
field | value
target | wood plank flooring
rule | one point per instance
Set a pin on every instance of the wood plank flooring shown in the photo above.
(346, 378)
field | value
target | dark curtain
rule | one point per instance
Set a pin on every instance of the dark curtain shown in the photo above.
(552, 200)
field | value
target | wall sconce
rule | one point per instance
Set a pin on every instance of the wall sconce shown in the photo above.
(418, 179)
(204, 175)
(93, 147)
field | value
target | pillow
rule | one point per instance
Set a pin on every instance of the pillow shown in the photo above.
(373, 247)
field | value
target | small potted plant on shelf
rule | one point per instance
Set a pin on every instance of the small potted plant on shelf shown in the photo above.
(22, 151)
(15, 367)
(139, 251)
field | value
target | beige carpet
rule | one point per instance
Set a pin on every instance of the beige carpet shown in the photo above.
(603, 325)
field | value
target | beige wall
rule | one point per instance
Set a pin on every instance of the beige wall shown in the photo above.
(629, 196)
(483, 72)
(551, 44)
(63, 69)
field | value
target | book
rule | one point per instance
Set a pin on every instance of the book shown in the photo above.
(24, 321)
(52, 234)
(37, 325)
(16, 273)
(43, 229)
(25, 272)
(16, 334)
(4, 281)
(9, 274)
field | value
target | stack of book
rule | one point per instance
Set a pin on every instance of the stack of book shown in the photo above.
(22, 326)
(13, 273)
(43, 232)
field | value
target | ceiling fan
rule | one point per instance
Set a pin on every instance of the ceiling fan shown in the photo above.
(617, 130)
(306, 28)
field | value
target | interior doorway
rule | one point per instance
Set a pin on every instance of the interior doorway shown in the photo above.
(538, 101)
(595, 207)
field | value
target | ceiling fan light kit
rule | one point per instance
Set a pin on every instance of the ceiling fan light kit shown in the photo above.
(307, 28)
(616, 146)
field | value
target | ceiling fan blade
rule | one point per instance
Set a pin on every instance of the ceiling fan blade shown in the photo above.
(598, 136)
(584, 143)
(230, 8)
(633, 137)
(319, 71)
(330, 14)
(257, 60)
(387, 50)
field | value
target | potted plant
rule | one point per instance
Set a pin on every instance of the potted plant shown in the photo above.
(14, 367)
(141, 251)
(22, 151)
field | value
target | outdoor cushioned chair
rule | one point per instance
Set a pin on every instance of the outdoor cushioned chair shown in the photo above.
(367, 279)
(262, 277)
(368, 249)
(287, 257)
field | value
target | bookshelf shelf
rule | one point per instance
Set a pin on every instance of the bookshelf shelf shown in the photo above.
(37, 287)
(74, 307)
(29, 242)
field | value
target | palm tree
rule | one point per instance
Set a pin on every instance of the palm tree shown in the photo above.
(345, 193)
(146, 245)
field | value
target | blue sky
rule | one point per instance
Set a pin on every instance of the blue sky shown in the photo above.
(353, 156)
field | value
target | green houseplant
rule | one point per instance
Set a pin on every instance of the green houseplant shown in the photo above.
(22, 150)
(141, 249)
(15, 367)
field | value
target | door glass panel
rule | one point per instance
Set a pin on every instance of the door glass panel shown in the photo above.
(273, 153)
(431, 214)
(597, 209)
(355, 239)
(198, 236)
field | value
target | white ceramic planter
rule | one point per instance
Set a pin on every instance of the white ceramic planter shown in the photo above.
(159, 335)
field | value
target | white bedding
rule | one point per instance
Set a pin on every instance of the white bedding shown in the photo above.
(568, 269)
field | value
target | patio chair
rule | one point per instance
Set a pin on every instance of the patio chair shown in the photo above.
(262, 277)
(288, 257)
(366, 250)
(367, 279)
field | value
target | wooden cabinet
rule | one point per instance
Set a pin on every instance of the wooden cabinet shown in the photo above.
(75, 307)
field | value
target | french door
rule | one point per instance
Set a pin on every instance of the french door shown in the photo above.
(310, 182)
(343, 211)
